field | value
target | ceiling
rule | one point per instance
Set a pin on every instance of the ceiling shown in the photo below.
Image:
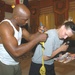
(11, 2)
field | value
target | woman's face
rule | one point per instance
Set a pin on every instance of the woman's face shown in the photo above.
(65, 33)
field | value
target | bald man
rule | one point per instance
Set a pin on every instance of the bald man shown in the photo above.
(10, 40)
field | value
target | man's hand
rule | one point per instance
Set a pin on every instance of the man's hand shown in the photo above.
(42, 37)
(42, 29)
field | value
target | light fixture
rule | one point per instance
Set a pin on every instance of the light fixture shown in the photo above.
(13, 6)
(17, 2)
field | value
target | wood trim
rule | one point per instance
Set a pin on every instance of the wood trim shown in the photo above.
(41, 4)
(8, 8)
(60, 11)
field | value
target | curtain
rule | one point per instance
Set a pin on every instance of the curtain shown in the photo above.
(72, 13)
(47, 17)
(72, 10)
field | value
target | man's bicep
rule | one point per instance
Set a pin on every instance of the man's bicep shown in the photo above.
(25, 34)
(8, 39)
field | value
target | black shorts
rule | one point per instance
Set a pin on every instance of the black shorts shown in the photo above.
(35, 68)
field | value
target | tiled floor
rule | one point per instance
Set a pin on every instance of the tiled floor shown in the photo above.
(60, 68)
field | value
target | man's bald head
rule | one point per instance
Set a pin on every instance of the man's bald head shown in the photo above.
(21, 10)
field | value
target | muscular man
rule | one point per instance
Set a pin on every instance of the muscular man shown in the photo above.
(10, 40)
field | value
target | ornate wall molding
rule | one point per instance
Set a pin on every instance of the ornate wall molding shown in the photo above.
(46, 10)
(72, 6)
(60, 11)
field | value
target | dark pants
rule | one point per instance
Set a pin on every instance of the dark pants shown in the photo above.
(34, 69)
(9, 69)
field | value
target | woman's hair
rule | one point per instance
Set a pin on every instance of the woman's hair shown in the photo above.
(70, 24)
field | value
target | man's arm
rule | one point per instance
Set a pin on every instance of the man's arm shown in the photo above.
(11, 45)
(27, 36)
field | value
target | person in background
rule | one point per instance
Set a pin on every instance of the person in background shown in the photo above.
(10, 40)
(53, 46)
